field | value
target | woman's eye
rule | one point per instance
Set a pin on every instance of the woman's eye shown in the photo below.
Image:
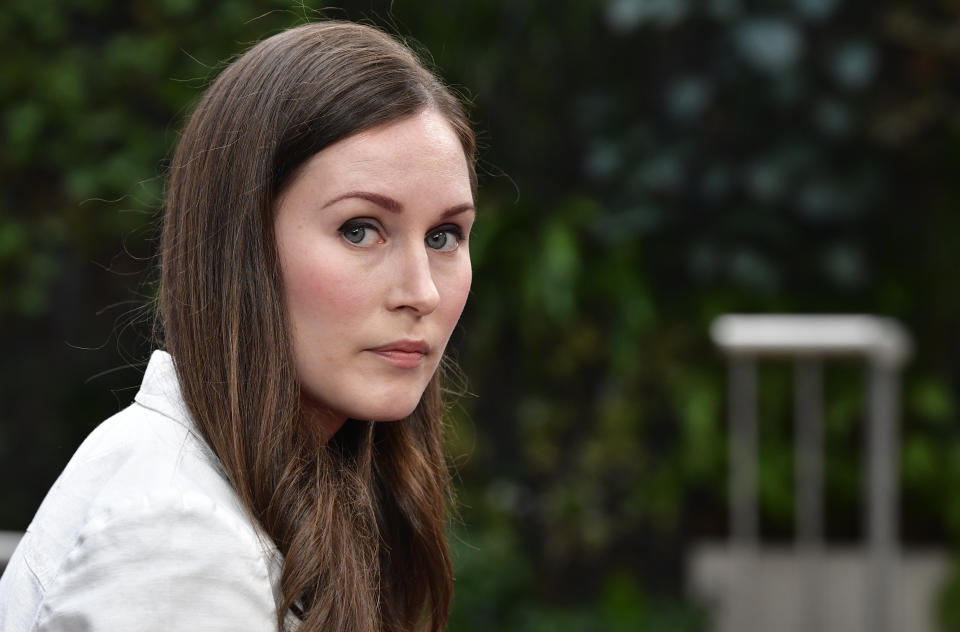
(445, 239)
(360, 234)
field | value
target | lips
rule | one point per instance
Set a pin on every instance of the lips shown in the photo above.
(405, 354)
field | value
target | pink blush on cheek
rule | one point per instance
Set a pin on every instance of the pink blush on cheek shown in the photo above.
(318, 274)
(333, 289)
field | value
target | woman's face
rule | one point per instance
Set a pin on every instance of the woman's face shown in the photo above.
(372, 239)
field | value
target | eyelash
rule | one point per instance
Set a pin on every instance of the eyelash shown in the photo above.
(453, 228)
(355, 224)
(366, 225)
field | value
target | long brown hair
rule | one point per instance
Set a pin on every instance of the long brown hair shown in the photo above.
(360, 519)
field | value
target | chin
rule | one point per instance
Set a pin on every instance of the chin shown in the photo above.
(389, 413)
(387, 402)
(369, 400)
(384, 407)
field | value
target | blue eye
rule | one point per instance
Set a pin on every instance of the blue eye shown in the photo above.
(444, 239)
(360, 233)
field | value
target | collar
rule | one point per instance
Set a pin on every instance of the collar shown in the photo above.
(160, 390)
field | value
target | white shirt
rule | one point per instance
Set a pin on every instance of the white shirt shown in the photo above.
(142, 531)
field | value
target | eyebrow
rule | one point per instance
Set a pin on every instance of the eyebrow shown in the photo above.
(392, 205)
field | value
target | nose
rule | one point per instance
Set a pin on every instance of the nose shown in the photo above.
(413, 286)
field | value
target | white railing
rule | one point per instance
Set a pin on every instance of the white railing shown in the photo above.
(808, 340)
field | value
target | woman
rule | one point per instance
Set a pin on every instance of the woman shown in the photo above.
(313, 265)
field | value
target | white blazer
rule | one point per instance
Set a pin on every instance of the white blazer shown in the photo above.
(142, 531)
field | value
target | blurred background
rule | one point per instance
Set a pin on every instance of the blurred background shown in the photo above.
(646, 165)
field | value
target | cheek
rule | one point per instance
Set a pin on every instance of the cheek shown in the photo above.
(325, 296)
(457, 290)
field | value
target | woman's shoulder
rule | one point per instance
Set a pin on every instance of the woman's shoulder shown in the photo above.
(144, 510)
(150, 454)
(143, 452)
(140, 455)
(159, 560)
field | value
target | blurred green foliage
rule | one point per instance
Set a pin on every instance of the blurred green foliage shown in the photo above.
(646, 166)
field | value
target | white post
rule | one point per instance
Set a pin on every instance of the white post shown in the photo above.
(744, 530)
(883, 492)
(808, 429)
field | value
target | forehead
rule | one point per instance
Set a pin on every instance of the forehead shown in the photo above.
(421, 146)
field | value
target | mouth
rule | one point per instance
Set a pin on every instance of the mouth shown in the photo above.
(406, 354)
